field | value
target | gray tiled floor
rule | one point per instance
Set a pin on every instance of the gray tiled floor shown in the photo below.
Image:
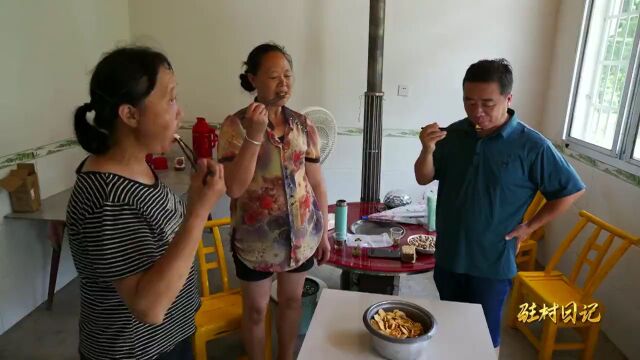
(53, 335)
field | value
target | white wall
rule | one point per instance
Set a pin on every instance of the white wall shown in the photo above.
(48, 51)
(611, 199)
(207, 41)
(428, 46)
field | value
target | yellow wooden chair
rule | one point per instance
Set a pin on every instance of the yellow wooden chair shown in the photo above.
(526, 256)
(221, 312)
(549, 287)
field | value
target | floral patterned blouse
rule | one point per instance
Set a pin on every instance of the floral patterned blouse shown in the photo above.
(277, 223)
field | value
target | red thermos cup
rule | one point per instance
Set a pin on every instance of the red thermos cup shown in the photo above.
(204, 139)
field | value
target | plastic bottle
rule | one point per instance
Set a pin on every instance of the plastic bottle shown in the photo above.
(431, 210)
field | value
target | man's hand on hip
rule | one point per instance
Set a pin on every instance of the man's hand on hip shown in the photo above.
(520, 233)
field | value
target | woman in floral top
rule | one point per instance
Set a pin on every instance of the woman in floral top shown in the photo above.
(279, 204)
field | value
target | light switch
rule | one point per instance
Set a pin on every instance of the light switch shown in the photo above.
(403, 90)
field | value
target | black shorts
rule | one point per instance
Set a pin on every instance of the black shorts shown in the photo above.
(245, 273)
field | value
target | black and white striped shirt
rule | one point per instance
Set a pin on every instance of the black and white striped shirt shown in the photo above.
(119, 227)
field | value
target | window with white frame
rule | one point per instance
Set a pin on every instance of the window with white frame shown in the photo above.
(605, 102)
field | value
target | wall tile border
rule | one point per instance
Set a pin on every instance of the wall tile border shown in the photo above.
(41, 151)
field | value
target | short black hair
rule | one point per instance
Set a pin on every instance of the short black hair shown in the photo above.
(495, 70)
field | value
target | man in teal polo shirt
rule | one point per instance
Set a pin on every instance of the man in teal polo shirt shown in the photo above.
(489, 167)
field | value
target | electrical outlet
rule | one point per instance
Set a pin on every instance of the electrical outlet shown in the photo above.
(403, 90)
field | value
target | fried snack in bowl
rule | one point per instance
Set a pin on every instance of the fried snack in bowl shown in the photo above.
(425, 244)
(396, 324)
(399, 330)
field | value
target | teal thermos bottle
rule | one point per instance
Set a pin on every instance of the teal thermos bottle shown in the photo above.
(341, 220)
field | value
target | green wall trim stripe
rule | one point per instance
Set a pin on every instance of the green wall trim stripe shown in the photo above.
(46, 150)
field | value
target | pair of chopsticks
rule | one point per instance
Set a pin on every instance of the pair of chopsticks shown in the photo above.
(269, 102)
(275, 100)
(442, 128)
(448, 129)
(191, 156)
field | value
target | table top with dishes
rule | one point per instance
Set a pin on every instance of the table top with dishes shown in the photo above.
(450, 330)
(345, 258)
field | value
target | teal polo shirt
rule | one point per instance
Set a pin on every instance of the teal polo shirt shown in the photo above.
(485, 187)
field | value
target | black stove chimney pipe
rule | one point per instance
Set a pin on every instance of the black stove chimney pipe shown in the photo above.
(372, 137)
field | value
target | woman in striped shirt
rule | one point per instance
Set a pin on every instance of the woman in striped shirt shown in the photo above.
(133, 241)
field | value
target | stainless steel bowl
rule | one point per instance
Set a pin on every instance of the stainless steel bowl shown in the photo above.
(400, 349)
(366, 227)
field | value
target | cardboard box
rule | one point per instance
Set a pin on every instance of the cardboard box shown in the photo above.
(24, 190)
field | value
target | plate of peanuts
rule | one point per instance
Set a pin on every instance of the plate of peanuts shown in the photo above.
(425, 244)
